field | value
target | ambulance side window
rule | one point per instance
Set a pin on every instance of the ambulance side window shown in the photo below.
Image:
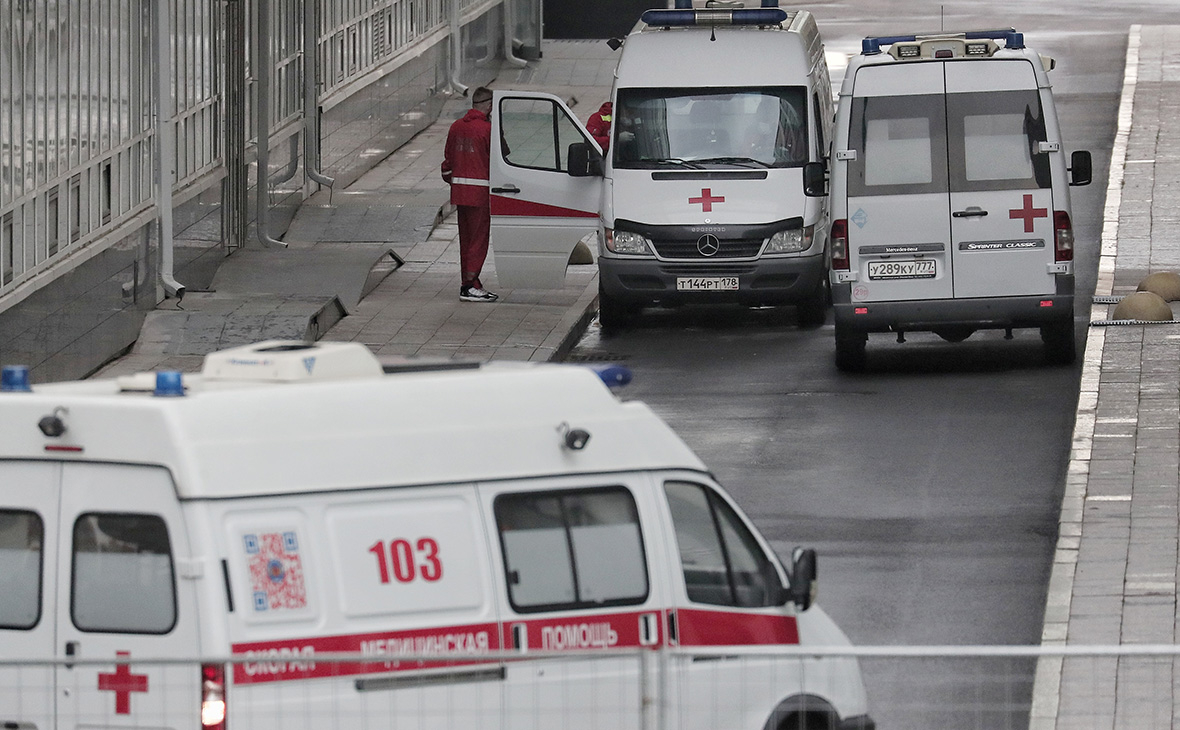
(21, 537)
(900, 143)
(122, 573)
(572, 549)
(536, 133)
(996, 138)
(723, 563)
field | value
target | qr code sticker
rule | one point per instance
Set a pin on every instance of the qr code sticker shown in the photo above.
(276, 571)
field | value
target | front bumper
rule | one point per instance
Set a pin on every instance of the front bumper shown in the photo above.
(764, 281)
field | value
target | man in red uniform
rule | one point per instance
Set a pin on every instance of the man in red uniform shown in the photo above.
(598, 125)
(465, 167)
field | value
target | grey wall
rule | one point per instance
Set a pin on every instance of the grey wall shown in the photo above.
(92, 313)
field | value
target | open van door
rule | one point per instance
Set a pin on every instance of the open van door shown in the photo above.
(541, 206)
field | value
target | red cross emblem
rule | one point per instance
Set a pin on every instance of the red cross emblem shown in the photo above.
(706, 200)
(123, 683)
(1028, 213)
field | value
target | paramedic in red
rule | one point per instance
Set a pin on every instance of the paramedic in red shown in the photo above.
(598, 125)
(465, 168)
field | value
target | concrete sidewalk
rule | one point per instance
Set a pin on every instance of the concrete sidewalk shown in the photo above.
(1114, 578)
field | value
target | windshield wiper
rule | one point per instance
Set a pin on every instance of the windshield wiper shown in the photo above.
(674, 161)
(733, 161)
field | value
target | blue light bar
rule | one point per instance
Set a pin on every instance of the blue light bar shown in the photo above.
(168, 384)
(615, 376)
(715, 16)
(872, 44)
(15, 379)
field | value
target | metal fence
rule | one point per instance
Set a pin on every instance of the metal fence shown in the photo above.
(907, 687)
(78, 102)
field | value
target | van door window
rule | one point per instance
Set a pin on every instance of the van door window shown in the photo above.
(901, 145)
(123, 579)
(723, 563)
(536, 133)
(573, 549)
(21, 536)
(996, 141)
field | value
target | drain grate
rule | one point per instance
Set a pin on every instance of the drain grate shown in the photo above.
(1125, 322)
(1107, 300)
(595, 357)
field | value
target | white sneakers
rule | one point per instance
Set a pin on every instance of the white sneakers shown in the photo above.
(475, 294)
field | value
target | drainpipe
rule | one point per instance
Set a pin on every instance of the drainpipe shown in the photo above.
(262, 110)
(456, 48)
(165, 146)
(311, 80)
(510, 36)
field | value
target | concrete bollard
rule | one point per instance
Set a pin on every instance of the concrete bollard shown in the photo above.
(1164, 283)
(1144, 306)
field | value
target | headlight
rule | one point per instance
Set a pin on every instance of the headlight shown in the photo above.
(791, 241)
(627, 242)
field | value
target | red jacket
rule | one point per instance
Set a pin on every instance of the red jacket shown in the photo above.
(598, 125)
(466, 160)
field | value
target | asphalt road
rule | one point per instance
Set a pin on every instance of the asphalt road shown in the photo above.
(931, 484)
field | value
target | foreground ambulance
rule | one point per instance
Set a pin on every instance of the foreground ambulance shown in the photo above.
(700, 197)
(297, 500)
(950, 194)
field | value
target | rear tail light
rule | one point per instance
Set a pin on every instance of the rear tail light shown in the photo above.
(840, 244)
(1062, 236)
(213, 697)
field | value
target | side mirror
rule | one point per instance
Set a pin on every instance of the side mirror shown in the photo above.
(1081, 168)
(803, 575)
(815, 180)
(583, 160)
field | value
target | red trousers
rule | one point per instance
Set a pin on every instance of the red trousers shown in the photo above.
(475, 225)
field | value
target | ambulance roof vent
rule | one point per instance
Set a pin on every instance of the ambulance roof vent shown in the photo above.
(286, 361)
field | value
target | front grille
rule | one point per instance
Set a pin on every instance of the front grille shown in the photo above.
(730, 249)
(708, 269)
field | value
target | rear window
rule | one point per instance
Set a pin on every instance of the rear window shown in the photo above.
(123, 577)
(996, 140)
(21, 537)
(900, 144)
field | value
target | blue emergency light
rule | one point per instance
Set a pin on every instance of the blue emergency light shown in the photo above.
(1012, 39)
(715, 16)
(615, 376)
(168, 384)
(15, 379)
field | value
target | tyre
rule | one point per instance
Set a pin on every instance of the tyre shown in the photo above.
(1060, 346)
(813, 311)
(613, 315)
(850, 351)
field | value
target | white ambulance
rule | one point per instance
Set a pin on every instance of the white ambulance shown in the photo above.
(700, 198)
(950, 194)
(295, 500)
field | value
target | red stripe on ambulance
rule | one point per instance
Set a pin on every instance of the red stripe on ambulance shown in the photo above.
(273, 661)
(724, 628)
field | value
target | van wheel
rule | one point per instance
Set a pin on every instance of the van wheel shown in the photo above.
(613, 315)
(813, 311)
(850, 351)
(1060, 347)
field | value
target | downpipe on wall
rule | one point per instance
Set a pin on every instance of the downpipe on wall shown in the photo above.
(456, 39)
(165, 146)
(262, 107)
(510, 35)
(311, 81)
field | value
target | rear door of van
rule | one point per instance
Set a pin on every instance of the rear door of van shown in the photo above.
(578, 562)
(1001, 188)
(92, 567)
(898, 193)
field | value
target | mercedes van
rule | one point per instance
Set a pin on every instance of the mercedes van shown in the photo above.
(950, 194)
(700, 198)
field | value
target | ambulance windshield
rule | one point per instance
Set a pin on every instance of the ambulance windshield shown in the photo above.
(711, 127)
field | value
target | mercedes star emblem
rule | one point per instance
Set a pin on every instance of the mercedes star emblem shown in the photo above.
(708, 245)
